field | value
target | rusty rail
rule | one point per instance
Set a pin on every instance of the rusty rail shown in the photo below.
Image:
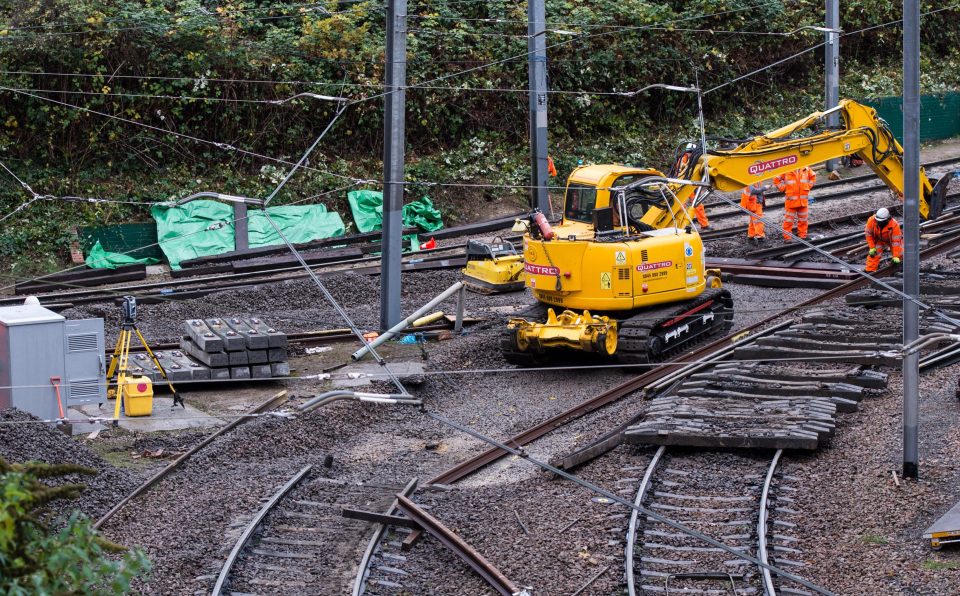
(497, 580)
(468, 467)
(265, 406)
(378, 533)
(252, 526)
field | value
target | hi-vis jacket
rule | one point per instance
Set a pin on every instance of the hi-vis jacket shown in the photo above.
(796, 186)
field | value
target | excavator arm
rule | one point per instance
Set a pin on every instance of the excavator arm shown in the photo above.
(863, 134)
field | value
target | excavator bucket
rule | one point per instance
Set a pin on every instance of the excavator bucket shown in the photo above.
(938, 198)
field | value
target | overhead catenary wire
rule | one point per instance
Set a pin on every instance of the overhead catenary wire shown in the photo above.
(523, 455)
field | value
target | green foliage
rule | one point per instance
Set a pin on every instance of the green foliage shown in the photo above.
(34, 559)
(204, 68)
(873, 539)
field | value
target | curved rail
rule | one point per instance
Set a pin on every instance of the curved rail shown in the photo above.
(497, 580)
(768, 587)
(252, 526)
(634, 517)
(381, 529)
(265, 406)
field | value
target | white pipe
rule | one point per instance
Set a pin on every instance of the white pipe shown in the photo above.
(406, 322)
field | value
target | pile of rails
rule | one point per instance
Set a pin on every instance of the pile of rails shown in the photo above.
(221, 349)
(754, 403)
(754, 406)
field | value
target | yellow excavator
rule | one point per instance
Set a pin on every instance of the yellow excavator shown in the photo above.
(625, 267)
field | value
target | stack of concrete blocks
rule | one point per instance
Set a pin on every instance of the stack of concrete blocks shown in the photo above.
(237, 348)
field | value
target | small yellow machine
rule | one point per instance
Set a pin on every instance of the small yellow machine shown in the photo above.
(625, 268)
(493, 268)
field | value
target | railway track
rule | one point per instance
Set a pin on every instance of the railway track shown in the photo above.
(300, 542)
(689, 362)
(737, 497)
(266, 406)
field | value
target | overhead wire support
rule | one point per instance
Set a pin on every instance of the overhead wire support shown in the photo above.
(394, 149)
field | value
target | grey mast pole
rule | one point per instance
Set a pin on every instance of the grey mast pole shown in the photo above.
(393, 154)
(911, 217)
(537, 51)
(831, 60)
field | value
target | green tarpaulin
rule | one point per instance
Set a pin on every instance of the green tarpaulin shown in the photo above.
(367, 208)
(203, 228)
(101, 259)
(299, 224)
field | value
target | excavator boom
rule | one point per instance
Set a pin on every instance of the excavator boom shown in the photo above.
(863, 134)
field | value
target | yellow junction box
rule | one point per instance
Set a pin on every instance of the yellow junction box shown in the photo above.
(138, 396)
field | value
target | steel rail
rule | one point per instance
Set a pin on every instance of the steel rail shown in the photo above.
(263, 407)
(472, 465)
(635, 517)
(252, 526)
(768, 588)
(201, 283)
(497, 580)
(379, 531)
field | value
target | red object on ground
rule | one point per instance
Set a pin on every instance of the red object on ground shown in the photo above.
(429, 244)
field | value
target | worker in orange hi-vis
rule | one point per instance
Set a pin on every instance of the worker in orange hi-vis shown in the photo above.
(796, 186)
(882, 231)
(753, 198)
(701, 213)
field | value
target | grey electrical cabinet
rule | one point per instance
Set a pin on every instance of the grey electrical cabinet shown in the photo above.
(41, 351)
(84, 362)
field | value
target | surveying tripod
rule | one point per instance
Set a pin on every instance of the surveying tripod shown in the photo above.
(121, 354)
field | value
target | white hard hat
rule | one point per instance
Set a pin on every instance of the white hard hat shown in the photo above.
(32, 301)
(883, 214)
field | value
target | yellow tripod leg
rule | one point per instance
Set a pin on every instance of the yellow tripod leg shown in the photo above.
(114, 358)
(163, 373)
(121, 374)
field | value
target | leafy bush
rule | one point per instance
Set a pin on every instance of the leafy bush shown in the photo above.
(34, 559)
(207, 68)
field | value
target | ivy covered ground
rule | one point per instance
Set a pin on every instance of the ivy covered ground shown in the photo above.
(146, 100)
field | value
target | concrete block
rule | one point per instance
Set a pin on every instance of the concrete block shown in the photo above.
(275, 338)
(261, 371)
(238, 358)
(280, 369)
(201, 374)
(176, 371)
(257, 356)
(240, 372)
(212, 359)
(232, 341)
(253, 338)
(205, 339)
(277, 355)
(220, 374)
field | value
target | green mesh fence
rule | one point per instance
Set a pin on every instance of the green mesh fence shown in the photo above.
(939, 115)
(123, 238)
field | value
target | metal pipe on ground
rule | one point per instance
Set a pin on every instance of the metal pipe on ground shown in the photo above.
(408, 321)
(329, 397)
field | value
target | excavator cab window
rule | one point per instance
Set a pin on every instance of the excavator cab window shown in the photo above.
(579, 203)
